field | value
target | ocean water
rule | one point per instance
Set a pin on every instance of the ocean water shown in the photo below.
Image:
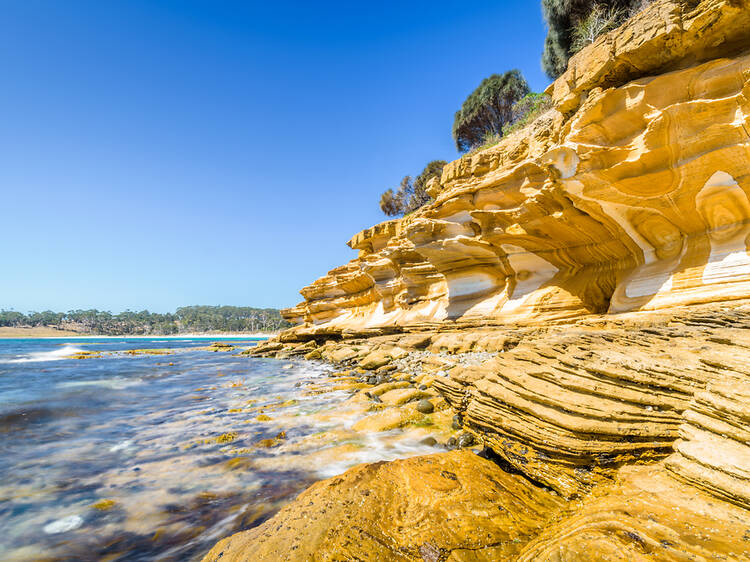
(156, 457)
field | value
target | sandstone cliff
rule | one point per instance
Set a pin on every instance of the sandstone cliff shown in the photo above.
(601, 255)
(631, 194)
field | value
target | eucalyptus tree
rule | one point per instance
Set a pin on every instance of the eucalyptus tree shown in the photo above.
(488, 109)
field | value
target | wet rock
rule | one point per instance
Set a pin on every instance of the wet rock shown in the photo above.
(456, 422)
(401, 396)
(381, 379)
(429, 441)
(386, 386)
(445, 502)
(342, 354)
(425, 407)
(451, 443)
(388, 419)
(465, 440)
(313, 355)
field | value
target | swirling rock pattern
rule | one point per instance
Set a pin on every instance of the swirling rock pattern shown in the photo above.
(635, 197)
(644, 515)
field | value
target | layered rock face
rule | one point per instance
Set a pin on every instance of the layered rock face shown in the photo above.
(569, 405)
(632, 194)
(600, 259)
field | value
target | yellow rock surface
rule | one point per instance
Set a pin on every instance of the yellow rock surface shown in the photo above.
(402, 396)
(645, 516)
(388, 419)
(449, 506)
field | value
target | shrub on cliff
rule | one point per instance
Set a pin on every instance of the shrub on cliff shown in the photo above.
(410, 195)
(573, 24)
(419, 195)
(488, 109)
(524, 111)
(527, 109)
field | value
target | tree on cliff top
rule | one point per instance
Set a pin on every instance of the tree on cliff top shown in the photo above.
(573, 24)
(488, 109)
(390, 203)
(411, 195)
(419, 195)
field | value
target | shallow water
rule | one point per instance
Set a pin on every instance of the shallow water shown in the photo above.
(151, 457)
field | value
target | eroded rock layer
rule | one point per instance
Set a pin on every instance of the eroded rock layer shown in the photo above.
(572, 403)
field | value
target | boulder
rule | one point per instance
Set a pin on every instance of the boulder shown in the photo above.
(454, 506)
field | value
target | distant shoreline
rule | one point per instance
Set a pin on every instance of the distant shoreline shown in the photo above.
(52, 333)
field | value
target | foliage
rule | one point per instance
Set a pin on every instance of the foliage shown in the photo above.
(419, 196)
(524, 111)
(488, 140)
(411, 195)
(184, 320)
(573, 24)
(600, 20)
(488, 109)
(390, 203)
(527, 109)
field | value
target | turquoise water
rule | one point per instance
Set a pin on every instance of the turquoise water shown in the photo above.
(117, 456)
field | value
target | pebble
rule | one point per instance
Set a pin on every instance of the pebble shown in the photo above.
(425, 407)
(456, 422)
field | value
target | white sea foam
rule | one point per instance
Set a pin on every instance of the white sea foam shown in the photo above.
(114, 383)
(41, 356)
(63, 525)
(120, 446)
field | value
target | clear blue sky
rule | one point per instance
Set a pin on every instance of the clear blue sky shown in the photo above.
(155, 154)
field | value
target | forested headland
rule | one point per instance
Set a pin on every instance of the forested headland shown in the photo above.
(187, 319)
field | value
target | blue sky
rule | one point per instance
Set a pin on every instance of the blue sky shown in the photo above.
(155, 154)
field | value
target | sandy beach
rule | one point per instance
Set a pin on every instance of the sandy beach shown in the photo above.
(46, 332)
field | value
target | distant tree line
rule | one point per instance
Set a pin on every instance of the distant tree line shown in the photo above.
(186, 319)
